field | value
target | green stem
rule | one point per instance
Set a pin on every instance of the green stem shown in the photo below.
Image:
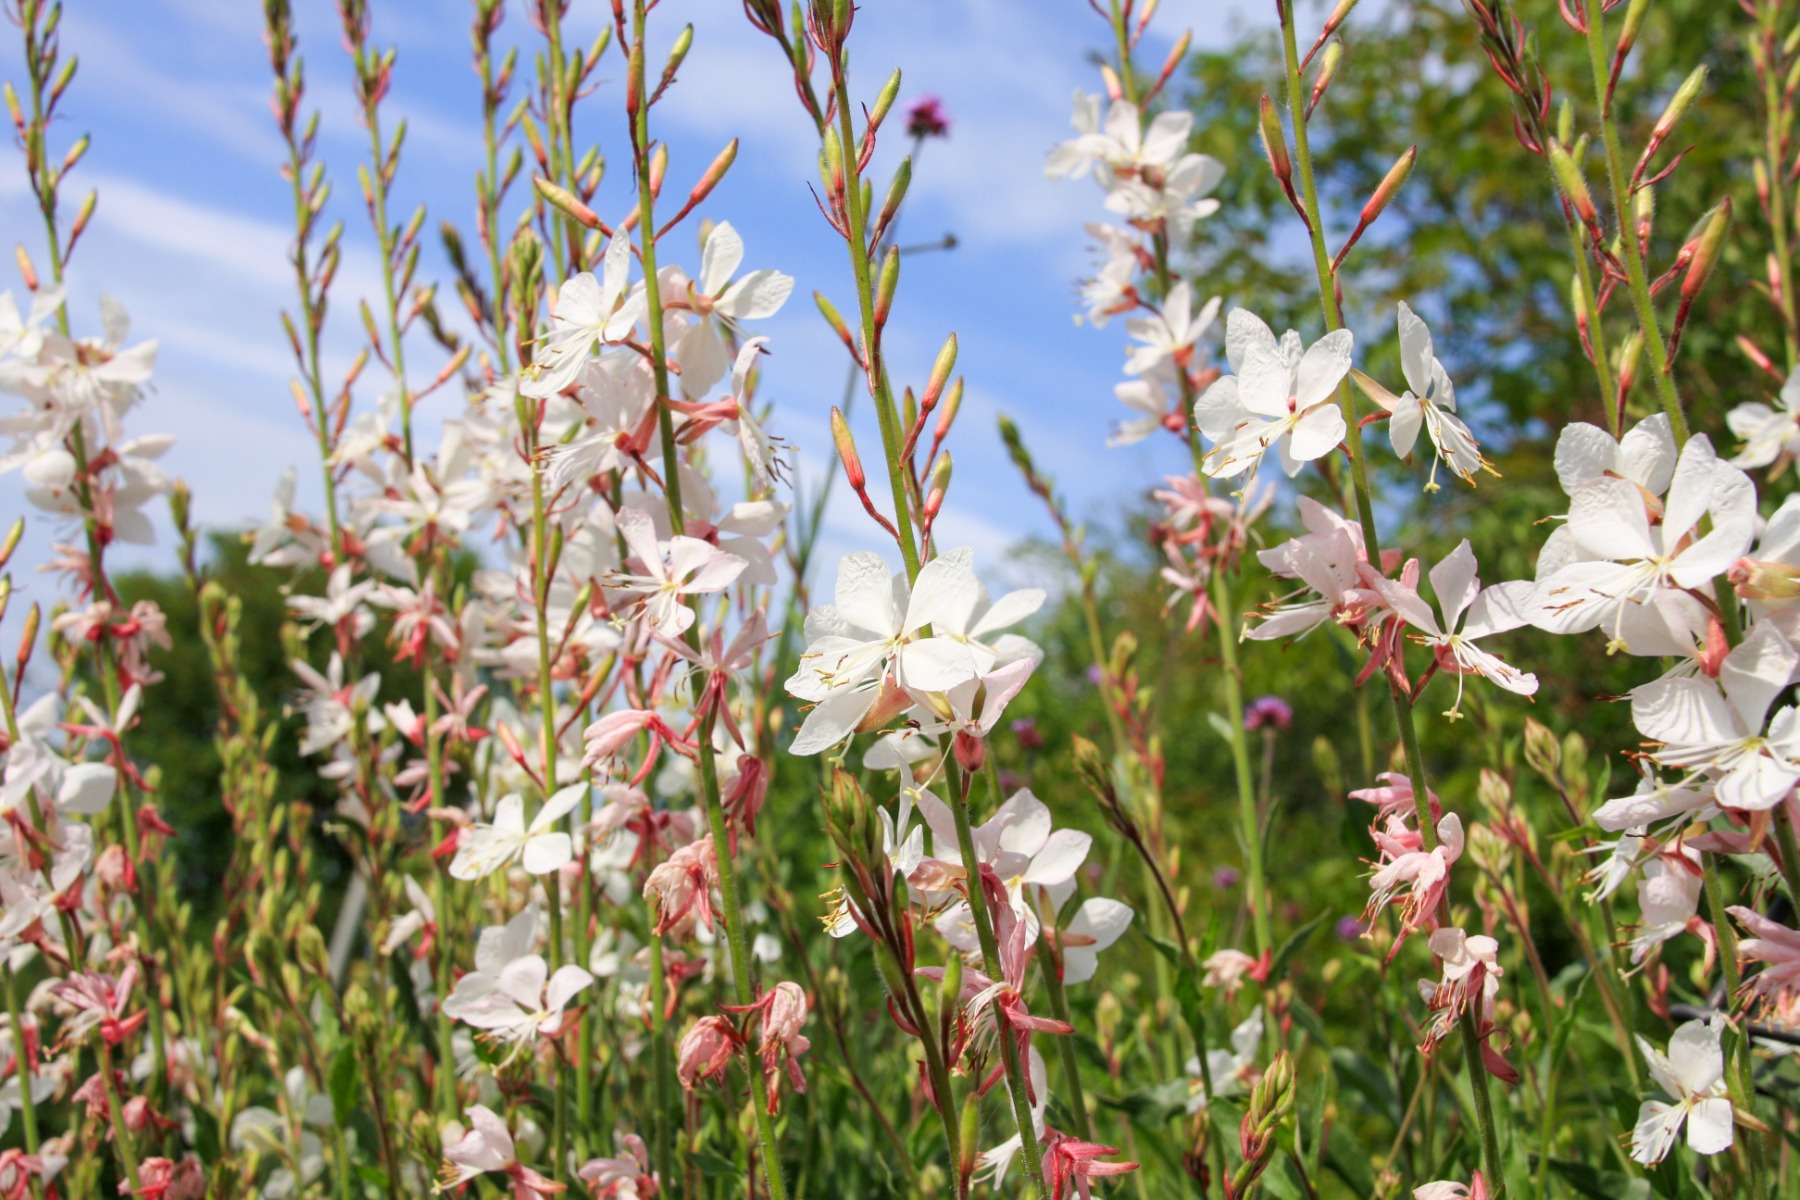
(1739, 1074)
(990, 962)
(1249, 823)
(731, 909)
(1661, 369)
(27, 1103)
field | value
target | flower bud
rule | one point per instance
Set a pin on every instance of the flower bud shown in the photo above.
(895, 195)
(1569, 179)
(846, 448)
(1274, 140)
(1757, 579)
(1706, 249)
(834, 319)
(565, 202)
(28, 636)
(1543, 753)
(11, 541)
(947, 415)
(885, 286)
(940, 374)
(885, 101)
(1679, 103)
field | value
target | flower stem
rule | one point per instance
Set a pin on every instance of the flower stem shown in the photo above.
(990, 962)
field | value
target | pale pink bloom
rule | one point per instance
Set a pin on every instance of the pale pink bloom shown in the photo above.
(540, 847)
(586, 311)
(1714, 730)
(1150, 398)
(1470, 982)
(1395, 797)
(1071, 1166)
(1475, 1189)
(1470, 612)
(671, 571)
(706, 1050)
(520, 1003)
(344, 604)
(1669, 898)
(783, 1008)
(1227, 969)
(1422, 874)
(681, 888)
(1279, 398)
(1653, 801)
(1775, 946)
(618, 401)
(627, 1176)
(488, 1146)
(1693, 1075)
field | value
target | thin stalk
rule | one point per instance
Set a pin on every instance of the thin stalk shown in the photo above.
(1051, 969)
(876, 363)
(730, 901)
(1661, 370)
(1790, 854)
(1249, 822)
(1403, 708)
(27, 1104)
(1739, 1077)
(990, 961)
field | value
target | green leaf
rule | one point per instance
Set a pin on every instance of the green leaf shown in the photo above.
(341, 1081)
(1291, 947)
(715, 1166)
(1347, 1157)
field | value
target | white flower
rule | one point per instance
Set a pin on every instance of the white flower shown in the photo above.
(519, 1002)
(1230, 1069)
(1669, 898)
(1018, 842)
(1097, 924)
(1279, 398)
(484, 848)
(683, 566)
(1429, 402)
(1480, 613)
(1169, 335)
(587, 311)
(1768, 433)
(1616, 558)
(1693, 1074)
(868, 642)
(719, 304)
(1715, 729)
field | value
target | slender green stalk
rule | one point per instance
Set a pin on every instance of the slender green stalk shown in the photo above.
(1249, 822)
(990, 962)
(1403, 708)
(730, 901)
(27, 1103)
(1740, 1073)
(1661, 370)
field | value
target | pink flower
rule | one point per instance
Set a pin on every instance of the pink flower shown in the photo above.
(681, 886)
(1422, 874)
(625, 1177)
(485, 1147)
(1071, 1166)
(706, 1050)
(783, 1008)
(927, 118)
(1774, 945)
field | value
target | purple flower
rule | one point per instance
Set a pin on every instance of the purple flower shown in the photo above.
(1225, 878)
(1026, 730)
(1349, 928)
(1095, 675)
(927, 118)
(1266, 712)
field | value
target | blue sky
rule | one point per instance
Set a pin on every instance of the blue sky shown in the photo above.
(193, 222)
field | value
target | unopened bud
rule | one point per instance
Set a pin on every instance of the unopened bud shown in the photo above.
(1110, 78)
(1274, 140)
(1543, 752)
(28, 636)
(834, 319)
(565, 202)
(831, 162)
(940, 484)
(82, 216)
(11, 542)
(1390, 184)
(886, 285)
(1568, 178)
(885, 101)
(1334, 56)
(26, 269)
(970, 1136)
(940, 374)
(714, 173)
(1679, 103)
(659, 166)
(947, 414)
(950, 987)
(1565, 122)
(1758, 579)
(683, 42)
(846, 448)
(896, 193)
(1706, 249)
